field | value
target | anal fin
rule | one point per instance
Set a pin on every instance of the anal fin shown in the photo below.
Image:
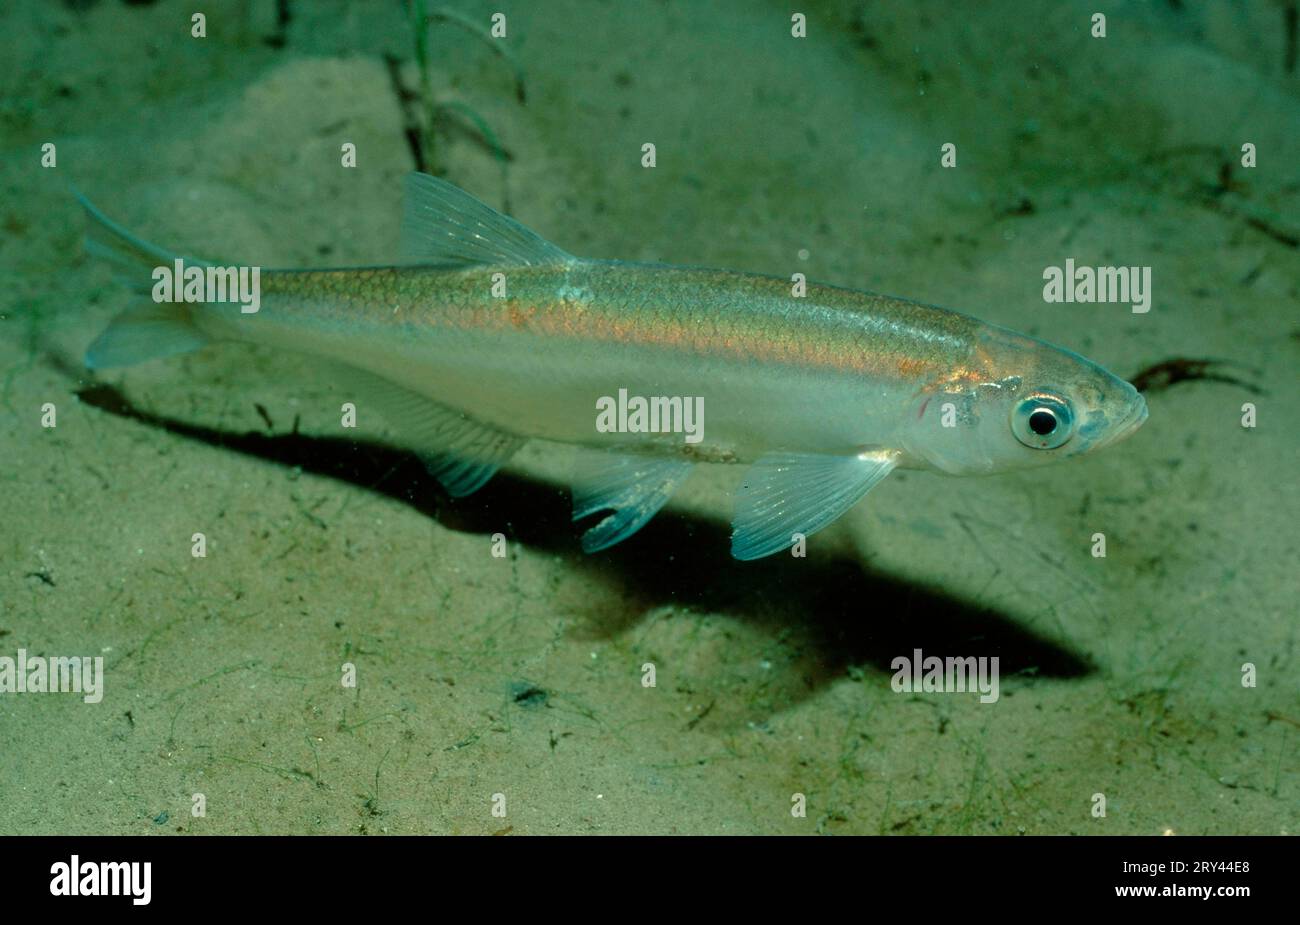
(458, 451)
(458, 475)
(788, 493)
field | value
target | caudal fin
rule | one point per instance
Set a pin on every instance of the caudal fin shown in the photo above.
(149, 332)
(159, 329)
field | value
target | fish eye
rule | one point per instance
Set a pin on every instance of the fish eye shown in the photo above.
(1042, 421)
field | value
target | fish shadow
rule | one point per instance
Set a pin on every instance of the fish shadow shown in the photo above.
(832, 614)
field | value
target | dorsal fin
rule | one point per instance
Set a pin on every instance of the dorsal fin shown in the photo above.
(444, 225)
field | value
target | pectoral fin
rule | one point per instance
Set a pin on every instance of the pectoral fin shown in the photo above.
(633, 488)
(788, 493)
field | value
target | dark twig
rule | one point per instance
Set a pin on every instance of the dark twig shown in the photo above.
(1162, 375)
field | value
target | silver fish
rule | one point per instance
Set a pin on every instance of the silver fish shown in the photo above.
(486, 336)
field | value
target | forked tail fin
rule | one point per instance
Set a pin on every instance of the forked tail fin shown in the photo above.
(159, 329)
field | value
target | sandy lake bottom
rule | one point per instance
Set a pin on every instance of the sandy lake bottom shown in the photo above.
(522, 676)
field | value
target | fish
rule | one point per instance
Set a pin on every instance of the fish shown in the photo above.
(482, 336)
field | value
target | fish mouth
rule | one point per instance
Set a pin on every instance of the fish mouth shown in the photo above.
(1135, 418)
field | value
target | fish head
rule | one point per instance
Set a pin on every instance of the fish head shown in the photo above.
(1018, 403)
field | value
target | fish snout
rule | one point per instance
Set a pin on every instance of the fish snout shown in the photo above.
(1135, 418)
